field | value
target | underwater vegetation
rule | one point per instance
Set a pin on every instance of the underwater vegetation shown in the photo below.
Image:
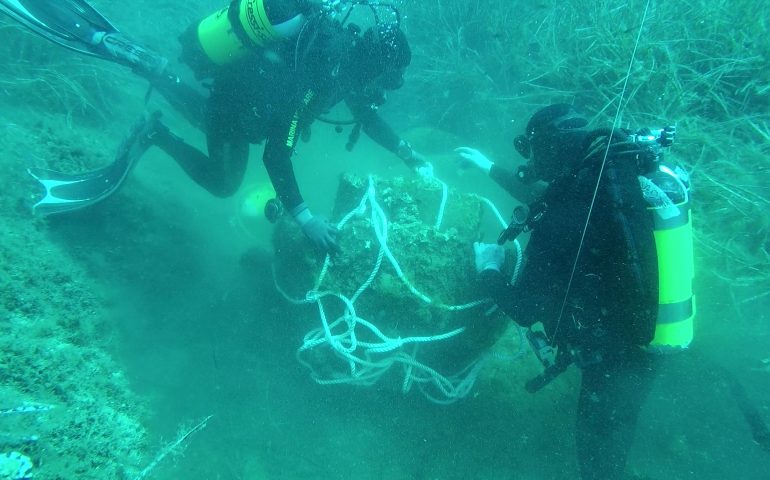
(491, 62)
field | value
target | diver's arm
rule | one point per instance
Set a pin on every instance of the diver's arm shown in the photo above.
(277, 160)
(374, 126)
(279, 148)
(284, 130)
(381, 132)
(511, 182)
(513, 301)
(507, 179)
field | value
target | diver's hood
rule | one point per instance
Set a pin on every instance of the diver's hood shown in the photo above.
(381, 55)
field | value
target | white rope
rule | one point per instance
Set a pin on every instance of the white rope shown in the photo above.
(365, 349)
(442, 206)
(494, 209)
(517, 264)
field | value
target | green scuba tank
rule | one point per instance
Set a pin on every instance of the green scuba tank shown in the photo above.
(669, 186)
(231, 32)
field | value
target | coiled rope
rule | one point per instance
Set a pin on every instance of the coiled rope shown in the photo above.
(367, 360)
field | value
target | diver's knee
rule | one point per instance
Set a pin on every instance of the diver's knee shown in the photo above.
(225, 188)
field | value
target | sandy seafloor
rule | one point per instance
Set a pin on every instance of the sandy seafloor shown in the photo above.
(139, 317)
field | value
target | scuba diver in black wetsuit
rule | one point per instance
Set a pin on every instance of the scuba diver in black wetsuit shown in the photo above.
(589, 290)
(276, 66)
(274, 100)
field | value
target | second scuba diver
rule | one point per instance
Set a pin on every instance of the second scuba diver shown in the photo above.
(607, 273)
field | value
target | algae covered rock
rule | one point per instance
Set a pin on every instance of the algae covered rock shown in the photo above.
(66, 408)
(401, 292)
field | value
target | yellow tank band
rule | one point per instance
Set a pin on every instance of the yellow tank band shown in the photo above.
(217, 38)
(675, 263)
(253, 18)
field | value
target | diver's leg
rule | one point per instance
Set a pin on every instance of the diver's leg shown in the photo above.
(220, 173)
(232, 155)
(611, 396)
(185, 99)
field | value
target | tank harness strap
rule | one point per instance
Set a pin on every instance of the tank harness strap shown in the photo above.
(675, 312)
(233, 15)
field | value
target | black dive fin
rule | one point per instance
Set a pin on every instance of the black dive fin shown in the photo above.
(78, 26)
(74, 24)
(66, 192)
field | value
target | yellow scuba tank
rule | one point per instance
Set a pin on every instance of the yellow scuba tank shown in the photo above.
(674, 242)
(256, 211)
(231, 32)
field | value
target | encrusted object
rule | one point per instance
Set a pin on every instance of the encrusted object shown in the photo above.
(435, 258)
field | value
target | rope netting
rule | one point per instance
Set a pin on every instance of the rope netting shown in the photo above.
(366, 352)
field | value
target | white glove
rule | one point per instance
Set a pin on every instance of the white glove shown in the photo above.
(425, 171)
(321, 233)
(415, 160)
(488, 256)
(472, 157)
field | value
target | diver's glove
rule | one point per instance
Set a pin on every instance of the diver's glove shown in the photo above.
(488, 256)
(414, 160)
(470, 157)
(317, 229)
(425, 171)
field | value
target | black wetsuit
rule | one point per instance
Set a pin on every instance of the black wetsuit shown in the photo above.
(609, 310)
(273, 97)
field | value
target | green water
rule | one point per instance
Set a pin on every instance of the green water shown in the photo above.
(141, 316)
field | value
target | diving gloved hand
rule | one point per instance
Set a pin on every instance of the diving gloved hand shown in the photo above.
(414, 160)
(488, 256)
(425, 171)
(474, 158)
(317, 230)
